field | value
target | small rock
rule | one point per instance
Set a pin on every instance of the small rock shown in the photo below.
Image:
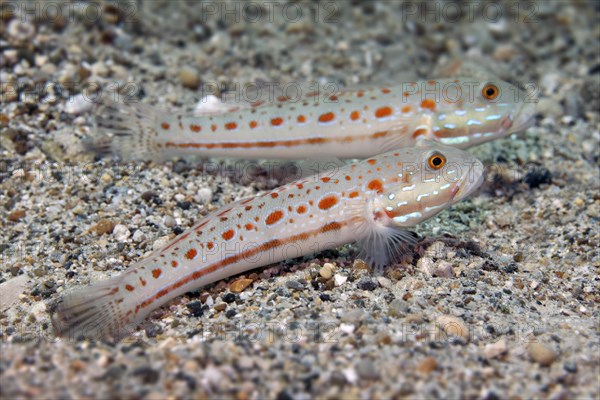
(16, 215)
(444, 270)
(138, 236)
(195, 308)
(103, 226)
(366, 370)
(240, 285)
(189, 78)
(78, 104)
(384, 282)
(20, 30)
(220, 306)
(339, 279)
(121, 232)
(427, 366)
(453, 326)
(541, 354)
(360, 265)
(397, 308)
(327, 271)
(495, 350)
(367, 284)
(204, 195)
(295, 285)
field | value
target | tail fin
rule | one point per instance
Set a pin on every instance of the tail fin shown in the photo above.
(95, 312)
(125, 130)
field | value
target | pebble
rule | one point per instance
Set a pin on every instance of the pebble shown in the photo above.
(78, 104)
(367, 284)
(427, 366)
(189, 78)
(138, 236)
(541, 354)
(327, 271)
(121, 233)
(397, 308)
(103, 226)
(20, 30)
(204, 196)
(360, 265)
(453, 326)
(444, 270)
(339, 279)
(16, 215)
(367, 370)
(496, 349)
(240, 284)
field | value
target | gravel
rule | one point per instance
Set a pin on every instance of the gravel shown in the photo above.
(500, 299)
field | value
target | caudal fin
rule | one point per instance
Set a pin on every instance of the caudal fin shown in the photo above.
(99, 311)
(125, 130)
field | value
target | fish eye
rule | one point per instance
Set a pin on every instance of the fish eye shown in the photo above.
(490, 91)
(436, 161)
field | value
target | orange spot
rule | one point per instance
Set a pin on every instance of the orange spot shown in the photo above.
(195, 128)
(210, 245)
(191, 253)
(333, 97)
(301, 209)
(277, 121)
(228, 234)
(431, 83)
(274, 195)
(248, 208)
(348, 177)
(282, 98)
(300, 186)
(174, 264)
(165, 125)
(257, 103)
(274, 217)
(428, 103)
(372, 161)
(156, 273)
(301, 119)
(213, 127)
(385, 90)
(253, 124)
(360, 94)
(327, 117)
(419, 132)
(353, 194)
(249, 227)
(231, 126)
(324, 179)
(376, 185)
(129, 287)
(142, 281)
(406, 109)
(327, 202)
(383, 112)
(354, 115)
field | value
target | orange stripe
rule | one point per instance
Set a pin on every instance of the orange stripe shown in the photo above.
(275, 143)
(267, 246)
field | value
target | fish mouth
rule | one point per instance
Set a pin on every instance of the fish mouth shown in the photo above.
(524, 119)
(466, 187)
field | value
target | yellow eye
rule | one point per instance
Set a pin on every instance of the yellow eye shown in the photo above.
(436, 161)
(490, 91)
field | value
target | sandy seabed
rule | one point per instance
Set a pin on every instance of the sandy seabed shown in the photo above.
(515, 268)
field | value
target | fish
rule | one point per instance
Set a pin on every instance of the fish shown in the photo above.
(350, 124)
(373, 202)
